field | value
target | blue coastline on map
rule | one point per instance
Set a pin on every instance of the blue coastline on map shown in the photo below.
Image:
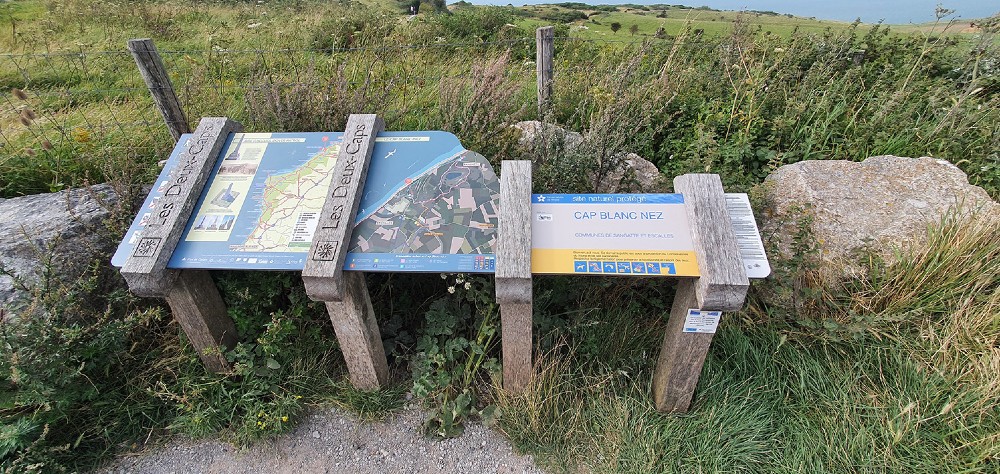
(420, 151)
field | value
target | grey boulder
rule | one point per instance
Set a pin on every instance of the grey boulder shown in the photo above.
(882, 204)
(50, 239)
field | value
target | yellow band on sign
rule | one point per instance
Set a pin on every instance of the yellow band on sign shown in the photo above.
(611, 234)
(614, 262)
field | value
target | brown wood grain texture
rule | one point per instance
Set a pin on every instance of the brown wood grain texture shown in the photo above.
(721, 286)
(723, 282)
(515, 333)
(544, 66)
(323, 270)
(357, 332)
(513, 273)
(146, 270)
(682, 355)
(158, 81)
(196, 304)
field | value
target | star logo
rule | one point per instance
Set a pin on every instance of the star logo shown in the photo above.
(146, 247)
(325, 251)
(541, 198)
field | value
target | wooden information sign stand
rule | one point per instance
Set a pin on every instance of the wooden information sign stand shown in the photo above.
(192, 296)
(196, 304)
(513, 273)
(346, 294)
(722, 285)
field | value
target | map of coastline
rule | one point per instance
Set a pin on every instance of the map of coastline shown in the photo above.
(449, 209)
(428, 205)
(290, 202)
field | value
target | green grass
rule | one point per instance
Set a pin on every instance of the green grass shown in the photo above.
(894, 373)
(675, 21)
(772, 399)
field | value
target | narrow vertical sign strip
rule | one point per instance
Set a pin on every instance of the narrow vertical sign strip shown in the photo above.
(747, 235)
(324, 267)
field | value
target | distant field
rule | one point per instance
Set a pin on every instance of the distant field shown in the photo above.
(712, 23)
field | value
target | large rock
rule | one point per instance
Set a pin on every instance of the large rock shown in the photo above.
(534, 133)
(880, 204)
(49, 234)
(632, 168)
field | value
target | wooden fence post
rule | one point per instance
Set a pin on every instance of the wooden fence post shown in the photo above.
(513, 273)
(722, 286)
(544, 67)
(158, 81)
(346, 295)
(192, 295)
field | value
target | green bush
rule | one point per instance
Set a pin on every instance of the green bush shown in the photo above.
(483, 24)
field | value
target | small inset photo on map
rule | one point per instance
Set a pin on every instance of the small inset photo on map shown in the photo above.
(208, 222)
(226, 197)
(227, 222)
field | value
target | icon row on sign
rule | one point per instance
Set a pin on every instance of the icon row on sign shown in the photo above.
(632, 268)
(484, 263)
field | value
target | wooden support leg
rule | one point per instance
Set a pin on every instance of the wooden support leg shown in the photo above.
(197, 306)
(357, 332)
(681, 356)
(513, 273)
(515, 323)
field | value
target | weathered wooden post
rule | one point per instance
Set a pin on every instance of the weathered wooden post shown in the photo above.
(544, 66)
(722, 286)
(192, 295)
(346, 294)
(158, 81)
(513, 273)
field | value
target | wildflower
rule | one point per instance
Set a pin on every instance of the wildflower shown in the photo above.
(81, 135)
(28, 114)
(46, 144)
(19, 94)
(451, 289)
(284, 418)
(468, 285)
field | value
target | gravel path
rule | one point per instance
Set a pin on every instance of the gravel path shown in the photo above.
(333, 441)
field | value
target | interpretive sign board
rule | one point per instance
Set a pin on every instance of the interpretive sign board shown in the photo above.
(428, 205)
(630, 234)
(611, 234)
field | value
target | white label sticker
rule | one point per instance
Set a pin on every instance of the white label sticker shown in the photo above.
(747, 236)
(702, 321)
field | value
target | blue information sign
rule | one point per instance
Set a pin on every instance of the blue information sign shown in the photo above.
(428, 205)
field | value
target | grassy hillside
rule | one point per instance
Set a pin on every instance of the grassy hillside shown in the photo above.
(588, 22)
(674, 21)
(894, 372)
